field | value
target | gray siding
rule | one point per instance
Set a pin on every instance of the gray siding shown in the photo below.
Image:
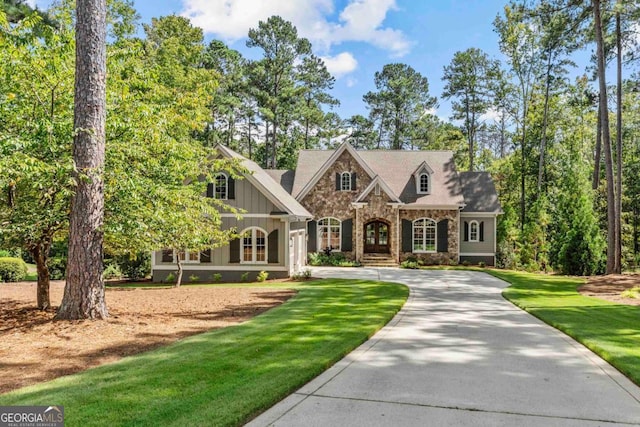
(489, 236)
(251, 199)
(475, 260)
(220, 256)
(206, 275)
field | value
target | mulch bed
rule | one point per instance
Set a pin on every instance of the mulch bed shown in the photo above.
(610, 287)
(34, 348)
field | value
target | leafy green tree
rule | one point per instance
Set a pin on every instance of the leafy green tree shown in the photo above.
(402, 97)
(274, 76)
(469, 80)
(315, 82)
(36, 68)
(361, 133)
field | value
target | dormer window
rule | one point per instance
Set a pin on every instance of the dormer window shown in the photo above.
(423, 175)
(423, 181)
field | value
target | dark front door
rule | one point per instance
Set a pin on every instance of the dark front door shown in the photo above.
(376, 237)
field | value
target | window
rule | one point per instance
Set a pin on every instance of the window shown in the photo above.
(345, 181)
(329, 234)
(220, 187)
(189, 256)
(423, 182)
(424, 235)
(474, 231)
(254, 246)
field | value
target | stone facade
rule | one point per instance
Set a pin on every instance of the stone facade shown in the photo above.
(453, 238)
(325, 201)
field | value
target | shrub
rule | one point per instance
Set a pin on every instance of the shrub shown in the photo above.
(216, 277)
(12, 269)
(244, 277)
(410, 264)
(194, 278)
(171, 278)
(302, 275)
(466, 263)
(134, 267)
(334, 259)
(262, 276)
(57, 268)
(482, 264)
(112, 271)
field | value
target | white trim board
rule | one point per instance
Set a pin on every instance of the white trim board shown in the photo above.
(238, 267)
(477, 254)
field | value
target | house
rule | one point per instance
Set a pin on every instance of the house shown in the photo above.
(374, 206)
(393, 205)
(273, 227)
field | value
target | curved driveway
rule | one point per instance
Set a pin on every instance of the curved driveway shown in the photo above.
(459, 354)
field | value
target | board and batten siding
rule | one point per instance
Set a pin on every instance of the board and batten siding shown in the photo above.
(249, 198)
(484, 247)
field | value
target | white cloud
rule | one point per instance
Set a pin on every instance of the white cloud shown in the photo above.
(341, 64)
(492, 114)
(31, 3)
(360, 20)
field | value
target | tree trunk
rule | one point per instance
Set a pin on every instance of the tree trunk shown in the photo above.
(545, 120)
(40, 254)
(180, 271)
(598, 155)
(84, 291)
(618, 257)
(606, 142)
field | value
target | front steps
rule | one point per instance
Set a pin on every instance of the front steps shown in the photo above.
(378, 260)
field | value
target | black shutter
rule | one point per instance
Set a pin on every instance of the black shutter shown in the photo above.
(443, 236)
(337, 182)
(353, 181)
(466, 231)
(481, 231)
(272, 247)
(234, 251)
(407, 236)
(205, 256)
(347, 235)
(312, 234)
(210, 190)
(231, 189)
(167, 255)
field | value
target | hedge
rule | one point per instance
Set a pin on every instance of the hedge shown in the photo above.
(12, 269)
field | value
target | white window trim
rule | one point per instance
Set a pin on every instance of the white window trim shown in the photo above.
(319, 234)
(413, 239)
(342, 181)
(226, 187)
(418, 186)
(254, 246)
(477, 239)
(186, 257)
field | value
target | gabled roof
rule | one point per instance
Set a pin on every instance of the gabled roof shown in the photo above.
(302, 190)
(267, 185)
(383, 185)
(479, 193)
(394, 167)
(423, 166)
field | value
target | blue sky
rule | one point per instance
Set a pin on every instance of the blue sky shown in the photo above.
(356, 37)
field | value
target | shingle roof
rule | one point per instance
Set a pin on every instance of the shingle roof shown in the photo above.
(261, 179)
(396, 168)
(479, 192)
(283, 177)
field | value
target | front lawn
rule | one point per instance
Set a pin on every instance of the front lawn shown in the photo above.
(226, 377)
(610, 330)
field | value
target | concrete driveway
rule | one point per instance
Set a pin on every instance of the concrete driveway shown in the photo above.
(459, 354)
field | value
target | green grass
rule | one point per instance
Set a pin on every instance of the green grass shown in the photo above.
(226, 377)
(632, 293)
(32, 273)
(610, 330)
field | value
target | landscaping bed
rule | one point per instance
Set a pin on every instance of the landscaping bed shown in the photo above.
(33, 348)
(611, 287)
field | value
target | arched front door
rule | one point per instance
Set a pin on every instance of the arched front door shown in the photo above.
(376, 237)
